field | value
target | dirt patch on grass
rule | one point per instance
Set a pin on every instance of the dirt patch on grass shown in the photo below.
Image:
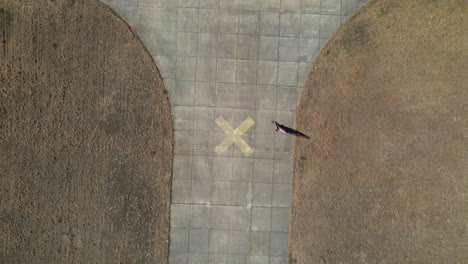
(85, 137)
(383, 177)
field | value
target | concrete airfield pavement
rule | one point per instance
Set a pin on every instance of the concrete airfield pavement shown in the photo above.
(230, 67)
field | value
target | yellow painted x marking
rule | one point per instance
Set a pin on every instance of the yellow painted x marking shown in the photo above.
(234, 136)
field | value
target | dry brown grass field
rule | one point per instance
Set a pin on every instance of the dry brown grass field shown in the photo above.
(383, 177)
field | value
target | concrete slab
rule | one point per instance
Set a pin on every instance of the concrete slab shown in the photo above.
(281, 171)
(227, 71)
(330, 7)
(240, 218)
(187, 20)
(262, 194)
(310, 6)
(241, 193)
(178, 258)
(287, 73)
(246, 72)
(182, 92)
(259, 243)
(186, 69)
(247, 47)
(229, 4)
(201, 192)
(278, 260)
(263, 146)
(279, 244)
(240, 115)
(164, 18)
(199, 240)
(202, 168)
(281, 195)
(283, 144)
(304, 69)
(289, 24)
(206, 70)
(186, 44)
(235, 59)
(182, 167)
(249, 4)
(185, 3)
(239, 244)
(219, 242)
(168, 64)
(228, 22)
(220, 217)
(227, 46)
(248, 23)
(308, 49)
(179, 240)
(350, 6)
(328, 25)
(163, 44)
(266, 97)
(268, 48)
(269, 24)
(310, 25)
(200, 216)
(222, 168)
(288, 49)
(221, 194)
(287, 95)
(280, 219)
(203, 142)
(181, 191)
(199, 258)
(242, 169)
(263, 170)
(261, 218)
(184, 141)
(239, 259)
(180, 215)
(209, 4)
(183, 117)
(267, 72)
(245, 94)
(259, 260)
(205, 21)
(219, 258)
(205, 95)
(287, 117)
(270, 5)
(207, 44)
